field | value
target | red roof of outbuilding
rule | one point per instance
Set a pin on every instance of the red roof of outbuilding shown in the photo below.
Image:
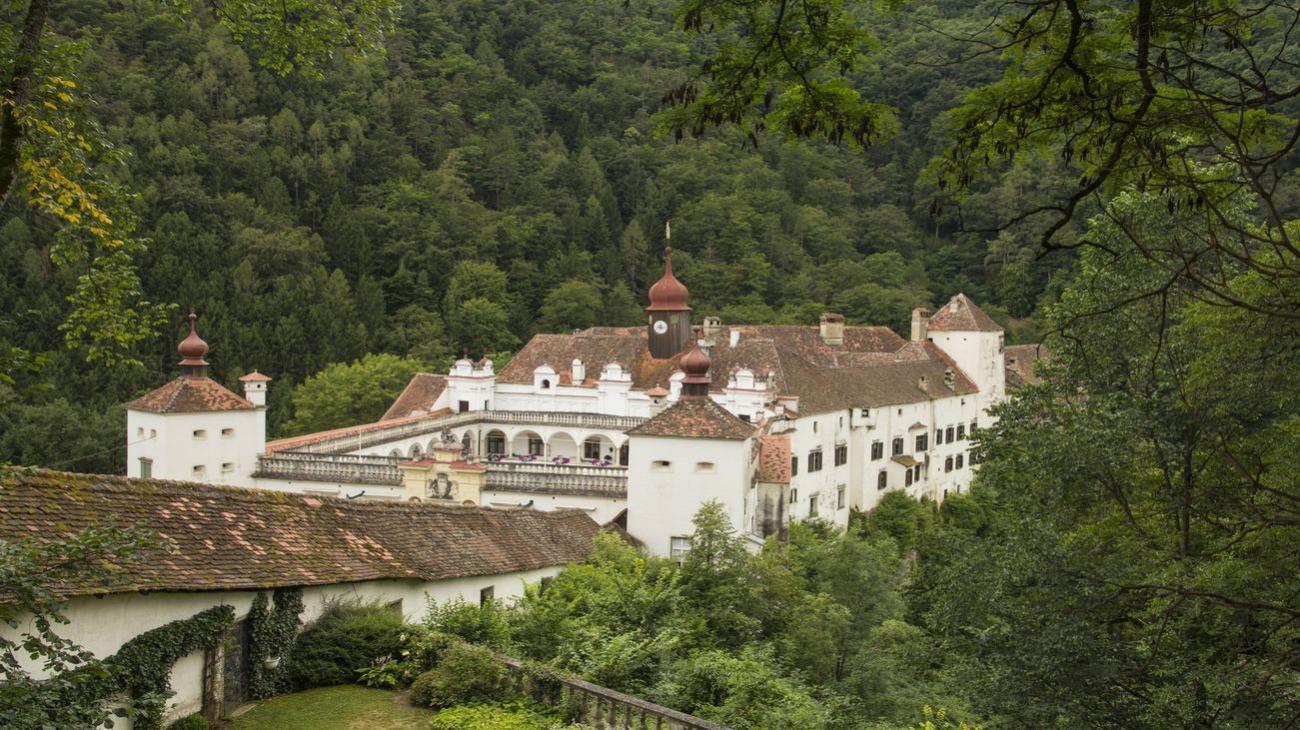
(190, 394)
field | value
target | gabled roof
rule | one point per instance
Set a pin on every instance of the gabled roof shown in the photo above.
(774, 459)
(224, 538)
(190, 394)
(695, 418)
(418, 398)
(961, 314)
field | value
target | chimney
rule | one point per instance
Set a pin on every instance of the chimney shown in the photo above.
(832, 329)
(579, 373)
(712, 328)
(255, 388)
(920, 324)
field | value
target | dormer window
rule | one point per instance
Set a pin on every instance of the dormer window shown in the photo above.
(546, 384)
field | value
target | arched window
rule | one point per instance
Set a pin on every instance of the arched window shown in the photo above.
(546, 383)
(959, 460)
(882, 480)
(416, 452)
(395, 453)
(467, 443)
(947, 464)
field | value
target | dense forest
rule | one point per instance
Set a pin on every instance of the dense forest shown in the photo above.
(497, 170)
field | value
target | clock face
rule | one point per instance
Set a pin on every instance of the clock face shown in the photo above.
(661, 327)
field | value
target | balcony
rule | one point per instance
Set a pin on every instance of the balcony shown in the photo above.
(543, 478)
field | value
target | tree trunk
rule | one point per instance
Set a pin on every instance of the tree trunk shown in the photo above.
(16, 92)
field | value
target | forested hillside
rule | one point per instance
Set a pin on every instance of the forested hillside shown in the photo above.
(495, 172)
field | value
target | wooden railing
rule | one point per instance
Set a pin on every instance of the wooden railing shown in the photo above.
(600, 707)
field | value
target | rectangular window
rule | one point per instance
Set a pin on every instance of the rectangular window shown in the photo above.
(395, 607)
(199, 471)
(794, 495)
(923, 442)
(840, 495)
(146, 468)
(841, 454)
(536, 447)
(678, 547)
(661, 465)
(745, 417)
(705, 467)
(200, 433)
(487, 595)
(227, 433)
(865, 413)
(877, 450)
(496, 443)
(947, 464)
(882, 480)
(959, 461)
(938, 436)
(961, 431)
(591, 449)
(462, 406)
(898, 446)
(812, 506)
(814, 461)
(227, 467)
(907, 478)
(794, 466)
(916, 473)
(973, 426)
(948, 435)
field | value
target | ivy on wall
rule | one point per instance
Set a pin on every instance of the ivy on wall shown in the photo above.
(271, 633)
(141, 668)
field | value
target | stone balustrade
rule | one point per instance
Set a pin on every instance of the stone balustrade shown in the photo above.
(339, 468)
(367, 436)
(599, 707)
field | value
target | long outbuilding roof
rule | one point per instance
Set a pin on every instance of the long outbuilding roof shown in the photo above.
(225, 538)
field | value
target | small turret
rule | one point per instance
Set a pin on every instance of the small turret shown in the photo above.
(192, 350)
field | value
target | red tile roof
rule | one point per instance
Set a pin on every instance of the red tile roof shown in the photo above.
(189, 394)
(1020, 362)
(418, 397)
(961, 314)
(255, 377)
(774, 459)
(695, 418)
(223, 538)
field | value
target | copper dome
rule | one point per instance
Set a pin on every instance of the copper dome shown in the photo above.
(192, 349)
(668, 294)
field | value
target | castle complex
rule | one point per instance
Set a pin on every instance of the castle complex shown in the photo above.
(636, 426)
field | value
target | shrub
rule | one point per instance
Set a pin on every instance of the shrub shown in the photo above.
(346, 637)
(492, 717)
(466, 674)
(486, 624)
(424, 648)
(189, 722)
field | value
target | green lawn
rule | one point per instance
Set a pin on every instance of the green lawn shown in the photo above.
(346, 707)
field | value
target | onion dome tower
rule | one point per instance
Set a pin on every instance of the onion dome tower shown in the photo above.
(192, 350)
(670, 315)
(695, 366)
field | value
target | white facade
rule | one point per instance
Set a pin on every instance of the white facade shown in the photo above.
(102, 625)
(216, 447)
(671, 478)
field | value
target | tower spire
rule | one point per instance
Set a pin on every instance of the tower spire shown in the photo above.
(192, 350)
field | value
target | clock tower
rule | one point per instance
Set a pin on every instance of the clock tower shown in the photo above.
(670, 316)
